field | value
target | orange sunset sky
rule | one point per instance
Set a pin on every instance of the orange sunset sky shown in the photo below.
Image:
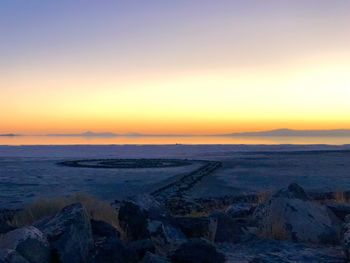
(171, 67)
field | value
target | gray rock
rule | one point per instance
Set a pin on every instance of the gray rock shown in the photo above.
(197, 251)
(240, 210)
(69, 234)
(152, 258)
(29, 242)
(11, 256)
(197, 227)
(289, 214)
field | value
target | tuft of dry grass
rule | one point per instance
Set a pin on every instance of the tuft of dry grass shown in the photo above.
(263, 196)
(340, 197)
(41, 208)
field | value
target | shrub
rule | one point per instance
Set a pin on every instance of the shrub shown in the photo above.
(41, 208)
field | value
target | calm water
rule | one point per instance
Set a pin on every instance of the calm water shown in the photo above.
(46, 140)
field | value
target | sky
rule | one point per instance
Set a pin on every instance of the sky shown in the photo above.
(185, 66)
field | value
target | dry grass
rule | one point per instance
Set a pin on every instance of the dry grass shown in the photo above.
(97, 209)
(340, 197)
(263, 196)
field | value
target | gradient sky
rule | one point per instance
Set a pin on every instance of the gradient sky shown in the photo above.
(184, 66)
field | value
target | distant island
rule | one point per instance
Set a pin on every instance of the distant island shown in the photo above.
(296, 133)
(85, 134)
(9, 135)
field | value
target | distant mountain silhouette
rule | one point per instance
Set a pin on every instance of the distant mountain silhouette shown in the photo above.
(9, 135)
(86, 134)
(298, 133)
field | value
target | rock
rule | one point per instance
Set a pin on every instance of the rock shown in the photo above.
(289, 214)
(341, 210)
(197, 251)
(228, 229)
(6, 215)
(240, 210)
(346, 237)
(69, 234)
(108, 247)
(152, 258)
(148, 203)
(182, 207)
(273, 251)
(29, 242)
(111, 250)
(197, 227)
(133, 221)
(165, 235)
(101, 229)
(11, 256)
(141, 247)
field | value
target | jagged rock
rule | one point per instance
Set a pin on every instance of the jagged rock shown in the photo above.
(133, 221)
(111, 250)
(165, 235)
(69, 233)
(197, 251)
(6, 215)
(141, 247)
(240, 210)
(11, 256)
(289, 214)
(29, 242)
(197, 227)
(152, 258)
(108, 247)
(341, 210)
(228, 229)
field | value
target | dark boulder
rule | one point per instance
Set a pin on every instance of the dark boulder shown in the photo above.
(228, 229)
(101, 229)
(6, 215)
(69, 234)
(133, 221)
(29, 242)
(197, 251)
(111, 250)
(141, 247)
(197, 227)
(341, 210)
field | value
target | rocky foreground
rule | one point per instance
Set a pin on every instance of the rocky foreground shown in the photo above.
(288, 226)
